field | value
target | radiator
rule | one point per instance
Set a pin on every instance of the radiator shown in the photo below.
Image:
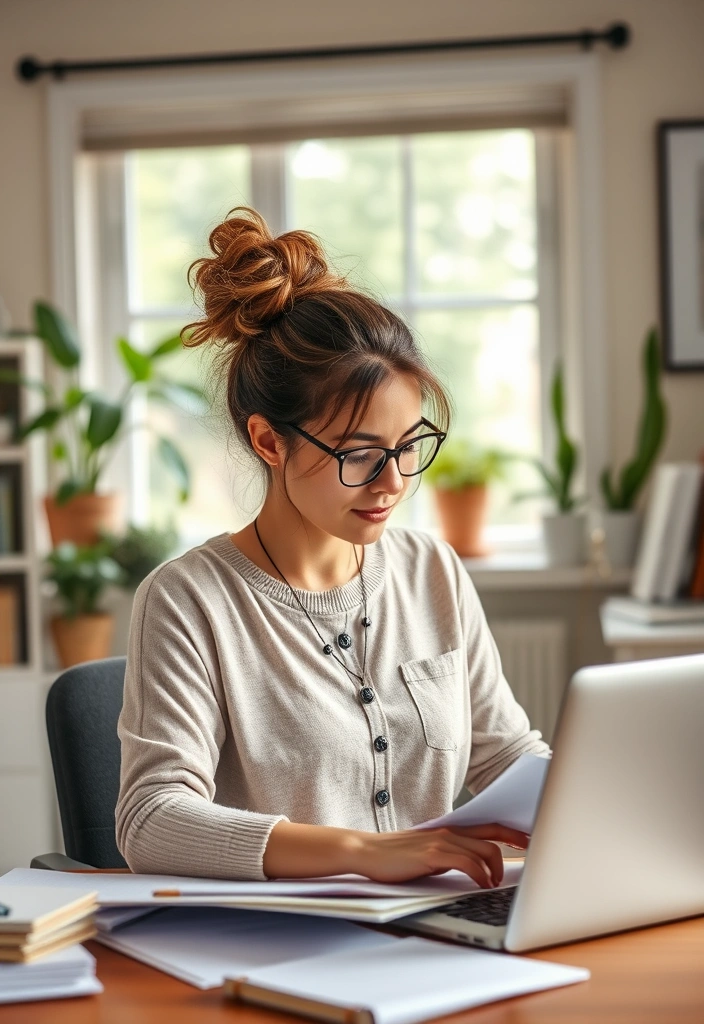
(534, 659)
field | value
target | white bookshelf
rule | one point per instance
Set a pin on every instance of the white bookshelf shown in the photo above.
(25, 464)
(27, 795)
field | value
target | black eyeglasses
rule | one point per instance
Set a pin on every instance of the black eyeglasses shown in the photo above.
(360, 466)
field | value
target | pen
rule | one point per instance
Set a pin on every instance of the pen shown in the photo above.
(4, 910)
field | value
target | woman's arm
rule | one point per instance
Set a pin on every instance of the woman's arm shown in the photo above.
(306, 851)
(171, 730)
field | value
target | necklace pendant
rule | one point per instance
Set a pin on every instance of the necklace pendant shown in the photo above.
(366, 622)
(345, 641)
(327, 649)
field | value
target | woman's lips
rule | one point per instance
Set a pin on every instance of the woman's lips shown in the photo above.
(373, 515)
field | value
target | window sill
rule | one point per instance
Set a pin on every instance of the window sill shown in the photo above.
(530, 571)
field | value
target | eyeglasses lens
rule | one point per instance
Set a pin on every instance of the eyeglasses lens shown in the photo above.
(362, 465)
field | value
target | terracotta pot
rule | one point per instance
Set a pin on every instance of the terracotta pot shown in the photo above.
(84, 638)
(82, 516)
(462, 516)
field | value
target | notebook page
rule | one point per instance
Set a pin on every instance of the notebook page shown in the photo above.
(415, 979)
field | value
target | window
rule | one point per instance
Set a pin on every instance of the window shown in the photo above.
(444, 227)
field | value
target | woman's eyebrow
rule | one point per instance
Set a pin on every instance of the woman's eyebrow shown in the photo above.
(375, 437)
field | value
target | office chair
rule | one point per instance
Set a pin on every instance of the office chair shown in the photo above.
(82, 709)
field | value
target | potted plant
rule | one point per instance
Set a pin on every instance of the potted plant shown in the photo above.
(84, 428)
(459, 477)
(565, 529)
(81, 632)
(621, 520)
(141, 549)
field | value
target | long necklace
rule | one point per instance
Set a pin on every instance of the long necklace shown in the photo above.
(344, 640)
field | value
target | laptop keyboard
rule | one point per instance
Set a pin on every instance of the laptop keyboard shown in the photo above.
(490, 906)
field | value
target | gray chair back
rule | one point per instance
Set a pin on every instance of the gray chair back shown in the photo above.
(82, 709)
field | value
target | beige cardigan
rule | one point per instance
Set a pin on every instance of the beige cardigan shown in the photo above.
(234, 718)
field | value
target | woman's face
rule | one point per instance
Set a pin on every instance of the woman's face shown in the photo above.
(313, 478)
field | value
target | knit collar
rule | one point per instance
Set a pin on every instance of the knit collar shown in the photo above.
(318, 602)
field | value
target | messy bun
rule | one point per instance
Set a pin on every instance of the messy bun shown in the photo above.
(320, 345)
(254, 277)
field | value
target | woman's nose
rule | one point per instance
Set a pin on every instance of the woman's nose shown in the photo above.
(389, 480)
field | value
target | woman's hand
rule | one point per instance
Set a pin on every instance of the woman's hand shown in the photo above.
(309, 851)
(410, 854)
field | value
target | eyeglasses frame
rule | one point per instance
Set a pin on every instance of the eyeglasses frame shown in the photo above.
(389, 453)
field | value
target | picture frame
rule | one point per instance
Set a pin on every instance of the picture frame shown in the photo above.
(680, 164)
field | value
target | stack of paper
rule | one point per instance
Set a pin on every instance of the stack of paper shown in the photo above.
(347, 896)
(39, 919)
(71, 972)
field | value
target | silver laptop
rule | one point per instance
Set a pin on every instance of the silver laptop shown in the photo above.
(619, 837)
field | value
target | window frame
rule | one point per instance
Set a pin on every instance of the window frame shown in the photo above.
(578, 321)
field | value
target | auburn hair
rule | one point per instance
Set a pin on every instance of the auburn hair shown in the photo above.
(296, 343)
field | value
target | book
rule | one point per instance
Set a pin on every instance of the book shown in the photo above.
(680, 538)
(696, 586)
(36, 921)
(9, 625)
(27, 949)
(669, 522)
(7, 543)
(37, 910)
(409, 981)
(651, 614)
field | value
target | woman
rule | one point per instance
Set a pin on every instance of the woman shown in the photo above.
(300, 693)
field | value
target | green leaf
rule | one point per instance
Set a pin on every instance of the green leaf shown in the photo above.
(13, 377)
(104, 421)
(174, 460)
(188, 397)
(57, 334)
(59, 452)
(67, 490)
(165, 347)
(137, 363)
(73, 398)
(44, 421)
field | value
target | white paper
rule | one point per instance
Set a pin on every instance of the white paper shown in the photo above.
(415, 979)
(68, 990)
(109, 918)
(346, 896)
(511, 799)
(69, 972)
(200, 945)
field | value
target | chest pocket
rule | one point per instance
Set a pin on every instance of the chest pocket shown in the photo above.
(435, 684)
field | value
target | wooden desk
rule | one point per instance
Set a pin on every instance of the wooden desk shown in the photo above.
(650, 976)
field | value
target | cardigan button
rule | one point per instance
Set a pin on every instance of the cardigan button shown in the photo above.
(344, 640)
(381, 744)
(382, 797)
(367, 694)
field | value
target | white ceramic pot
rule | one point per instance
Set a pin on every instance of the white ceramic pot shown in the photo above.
(565, 538)
(621, 536)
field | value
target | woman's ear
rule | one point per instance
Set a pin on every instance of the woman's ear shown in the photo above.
(265, 442)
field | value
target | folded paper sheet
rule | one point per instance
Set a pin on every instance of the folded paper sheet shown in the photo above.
(511, 799)
(200, 945)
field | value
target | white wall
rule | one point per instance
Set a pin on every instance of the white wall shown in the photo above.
(661, 75)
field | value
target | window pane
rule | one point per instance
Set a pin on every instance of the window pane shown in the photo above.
(349, 191)
(219, 484)
(490, 360)
(475, 213)
(175, 197)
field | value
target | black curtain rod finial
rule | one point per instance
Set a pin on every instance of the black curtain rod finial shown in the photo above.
(617, 36)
